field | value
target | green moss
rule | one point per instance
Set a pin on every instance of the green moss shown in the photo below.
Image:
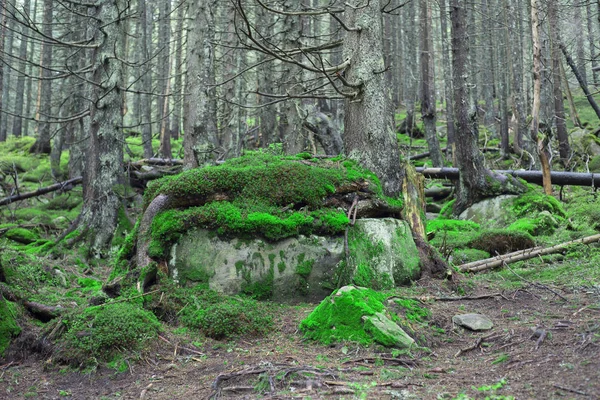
(103, 331)
(463, 256)
(453, 225)
(303, 270)
(446, 211)
(533, 202)
(21, 235)
(8, 324)
(363, 253)
(544, 224)
(413, 311)
(124, 227)
(221, 317)
(277, 197)
(339, 317)
(594, 164)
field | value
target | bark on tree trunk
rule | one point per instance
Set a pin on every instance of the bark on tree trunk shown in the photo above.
(145, 50)
(559, 107)
(428, 87)
(2, 35)
(582, 84)
(369, 136)
(537, 86)
(104, 158)
(42, 143)
(17, 128)
(201, 129)
(448, 90)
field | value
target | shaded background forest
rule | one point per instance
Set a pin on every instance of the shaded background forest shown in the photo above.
(100, 85)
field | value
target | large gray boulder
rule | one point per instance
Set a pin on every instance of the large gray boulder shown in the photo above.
(303, 268)
(494, 212)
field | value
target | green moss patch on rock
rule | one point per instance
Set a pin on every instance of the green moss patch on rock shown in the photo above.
(21, 235)
(259, 193)
(354, 314)
(464, 256)
(532, 203)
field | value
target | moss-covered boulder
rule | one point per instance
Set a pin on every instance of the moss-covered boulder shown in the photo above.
(355, 314)
(21, 235)
(494, 212)
(302, 268)
(585, 142)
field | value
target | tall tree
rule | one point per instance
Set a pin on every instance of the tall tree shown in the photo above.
(17, 128)
(200, 137)
(537, 84)
(3, 18)
(559, 108)
(104, 156)
(447, 75)
(476, 181)
(44, 106)
(428, 111)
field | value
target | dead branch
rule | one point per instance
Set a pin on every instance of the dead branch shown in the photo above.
(493, 262)
(557, 177)
(63, 186)
(475, 345)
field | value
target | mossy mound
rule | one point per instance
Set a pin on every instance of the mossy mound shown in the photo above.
(102, 332)
(502, 241)
(594, 164)
(21, 235)
(8, 324)
(259, 193)
(451, 225)
(545, 224)
(354, 314)
(464, 256)
(532, 203)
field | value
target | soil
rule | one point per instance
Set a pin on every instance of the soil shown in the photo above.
(542, 347)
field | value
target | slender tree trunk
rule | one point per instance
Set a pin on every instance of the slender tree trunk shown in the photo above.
(559, 107)
(178, 79)
(448, 90)
(7, 65)
(578, 27)
(164, 33)
(3, 17)
(17, 128)
(582, 84)
(146, 78)
(104, 158)
(537, 85)
(428, 87)
(594, 48)
(369, 136)
(200, 137)
(42, 143)
(411, 70)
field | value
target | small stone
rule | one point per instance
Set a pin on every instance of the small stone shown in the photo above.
(474, 322)
(387, 332)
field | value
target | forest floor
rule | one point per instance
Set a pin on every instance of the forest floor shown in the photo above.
(509, 360)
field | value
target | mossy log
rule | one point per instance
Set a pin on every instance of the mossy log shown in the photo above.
(558, 178)
(489, 263)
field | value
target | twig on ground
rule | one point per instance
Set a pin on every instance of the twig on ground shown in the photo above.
(475, 345)
(566, 389)
(539, 285)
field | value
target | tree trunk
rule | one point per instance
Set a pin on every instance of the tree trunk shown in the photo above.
(145, 51)
(369, 136)
(475, 181)
(17, 128)
(448, 90)
(7, 65)
(3, 18)
(582, 84)
(201, 130)
(104, 158)
(559, 107)
(42, 143)
(179, 68)
(164, 77)
(428, 87)
(537, 85)
(594, 49)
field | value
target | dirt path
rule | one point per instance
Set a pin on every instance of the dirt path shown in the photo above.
(566, 363)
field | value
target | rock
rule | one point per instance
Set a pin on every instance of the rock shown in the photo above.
(474, 322)
(492, 213)
(383, 253)
(354, 314)
(303, 268)
(61, 222)
(585, 142)
(386, 331)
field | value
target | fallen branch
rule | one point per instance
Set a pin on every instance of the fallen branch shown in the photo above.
(493, 262)
(475, 345)
(557, 178)
(536, 284)
(427, 154)
(64, 186)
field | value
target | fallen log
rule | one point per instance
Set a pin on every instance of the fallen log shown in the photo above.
(426, 154)
(489, 263)
(64, 186)
(557, 178)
